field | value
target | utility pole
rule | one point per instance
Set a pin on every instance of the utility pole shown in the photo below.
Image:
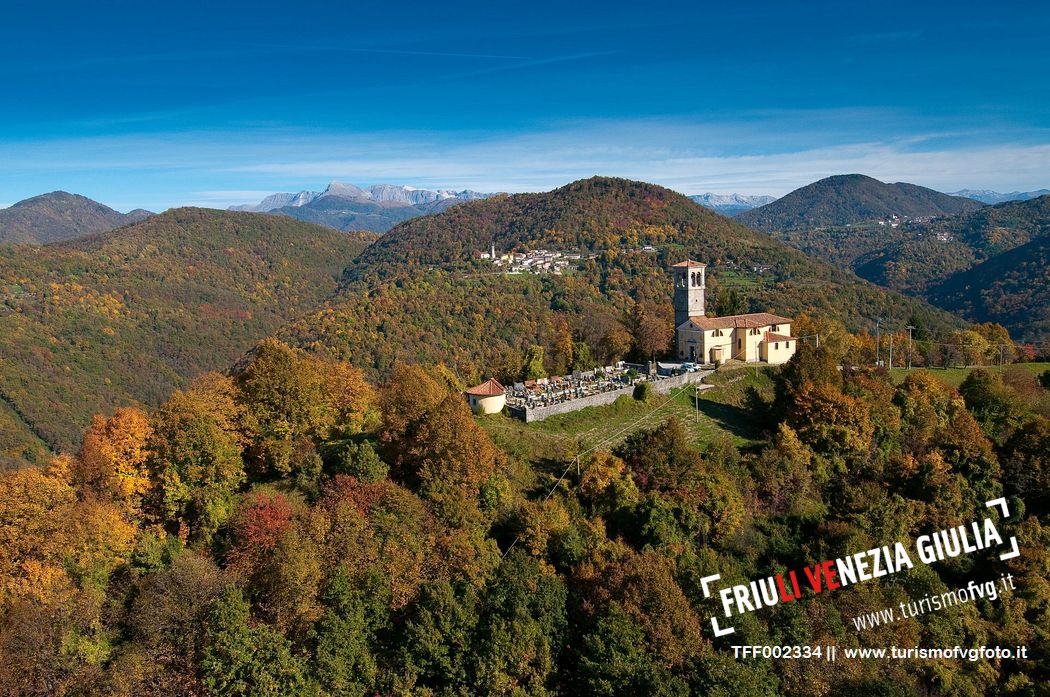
(878, 343)
(910, 330)
(696, 401)
(891, 350)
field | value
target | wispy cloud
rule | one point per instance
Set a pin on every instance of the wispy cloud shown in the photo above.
(759, 153)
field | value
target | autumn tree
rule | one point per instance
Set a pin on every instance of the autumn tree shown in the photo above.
(255, 529)
(652, 328)
(827, 331)
(449, 457)
(615, 344)
(644, 587)
(112, 459)
(169, 614)
(829, 421)
(409, 394)
(562, 346)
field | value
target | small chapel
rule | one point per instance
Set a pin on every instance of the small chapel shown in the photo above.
(758, 337)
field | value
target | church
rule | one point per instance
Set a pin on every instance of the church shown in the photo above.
(752, 338)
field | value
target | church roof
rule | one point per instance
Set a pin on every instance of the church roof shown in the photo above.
(687, 263)
(755, 320)
(489, 388)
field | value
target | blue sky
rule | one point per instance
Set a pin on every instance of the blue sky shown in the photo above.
(197, 103)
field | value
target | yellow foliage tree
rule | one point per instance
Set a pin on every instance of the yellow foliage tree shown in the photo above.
(112, 459)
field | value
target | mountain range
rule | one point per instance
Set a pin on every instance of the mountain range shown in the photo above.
(848, 199)
(731, 204)
(992, 197)
(60, 216)
(347, 207)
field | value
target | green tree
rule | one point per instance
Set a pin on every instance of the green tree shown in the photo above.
(614, 660)
(286, 399)
(436, 644)
(729, 302)
(362, 461)
(1026, 464)
(240, 658)
(520, 630)
(195, 466)
(345, 634)
(995, 406)
(582, 359)
(661, 459)
(532, 368)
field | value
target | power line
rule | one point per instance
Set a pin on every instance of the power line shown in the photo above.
(576, 460)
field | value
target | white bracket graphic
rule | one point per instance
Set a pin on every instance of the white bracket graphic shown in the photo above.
(707, 594)
(721, 632)
(1001, 503)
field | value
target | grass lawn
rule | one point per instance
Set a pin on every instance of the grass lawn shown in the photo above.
(953, 377)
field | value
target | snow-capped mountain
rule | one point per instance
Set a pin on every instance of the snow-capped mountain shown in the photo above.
(731, 204)
(274, 201)
(993, 197)
(388, 193)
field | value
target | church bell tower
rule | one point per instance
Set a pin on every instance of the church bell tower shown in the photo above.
(689, 288)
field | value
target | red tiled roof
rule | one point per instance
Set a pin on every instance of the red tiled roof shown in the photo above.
(489, 388)
(754, 320)
(687, 263)
(770, 336)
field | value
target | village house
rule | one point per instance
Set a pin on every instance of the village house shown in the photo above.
(751, 338)
(487, 398)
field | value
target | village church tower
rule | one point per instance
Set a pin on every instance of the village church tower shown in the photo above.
(689, 289)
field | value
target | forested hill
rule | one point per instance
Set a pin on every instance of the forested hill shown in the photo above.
(930, 252)
(853, 198)
(60, 216)
(421, 294)
(600, 213)
(129, 315)
(1012, 289)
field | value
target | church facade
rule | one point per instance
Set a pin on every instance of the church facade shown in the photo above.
(751, 338)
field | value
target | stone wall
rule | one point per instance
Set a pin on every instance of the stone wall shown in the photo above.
(662, 386)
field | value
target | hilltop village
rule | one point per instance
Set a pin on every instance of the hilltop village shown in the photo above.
(701, 344)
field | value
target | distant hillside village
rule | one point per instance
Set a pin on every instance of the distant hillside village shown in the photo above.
(701, 344)
(542, 261)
